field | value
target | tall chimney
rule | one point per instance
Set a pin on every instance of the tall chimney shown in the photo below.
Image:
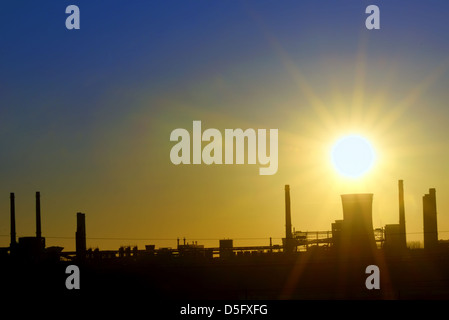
(13, 221)
(288, 216)
(288, 241)
(38, 215)
(430, 220)
(80, 235)
(402, 215)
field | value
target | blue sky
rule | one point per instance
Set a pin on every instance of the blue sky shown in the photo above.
(85, 115)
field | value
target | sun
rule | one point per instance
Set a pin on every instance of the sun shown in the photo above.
(353, 156)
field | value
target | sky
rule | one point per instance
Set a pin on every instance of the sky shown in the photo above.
(86, 115)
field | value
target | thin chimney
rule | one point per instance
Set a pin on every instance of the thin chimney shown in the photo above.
(402, 214)
(38, 215)
(288, 217)
(430, 220)
(80, 235)
(13, 221)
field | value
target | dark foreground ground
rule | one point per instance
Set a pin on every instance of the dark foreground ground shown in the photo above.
(313, 275)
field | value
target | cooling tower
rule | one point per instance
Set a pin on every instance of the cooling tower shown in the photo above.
(357, 235)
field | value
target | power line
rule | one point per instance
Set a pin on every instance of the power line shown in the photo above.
(148, 239)
(190, 238)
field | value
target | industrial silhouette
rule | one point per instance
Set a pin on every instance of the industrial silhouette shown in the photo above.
(308, 265)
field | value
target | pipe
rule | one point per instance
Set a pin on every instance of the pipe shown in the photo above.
(288, 217)
(13, 221)
(80, 235)
(430, 220)
(402, 214)
(38, 215)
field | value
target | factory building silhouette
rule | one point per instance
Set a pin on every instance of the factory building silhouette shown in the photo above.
(430, 219)
(303, 262)
(27, 247)
(395, 234)
(353, 233)
(80, 235)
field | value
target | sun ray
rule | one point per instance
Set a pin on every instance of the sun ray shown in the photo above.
(296, 74)
(413, 96)
(359, 80)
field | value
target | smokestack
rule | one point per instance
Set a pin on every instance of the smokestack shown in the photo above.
(430, 220)
(38, 215)
(402, 214)
(288, 216)
(288, 241)
(80, 235)
(357, 230)
(13, 221)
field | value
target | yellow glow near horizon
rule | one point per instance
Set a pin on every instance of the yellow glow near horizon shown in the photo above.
(353, 156)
